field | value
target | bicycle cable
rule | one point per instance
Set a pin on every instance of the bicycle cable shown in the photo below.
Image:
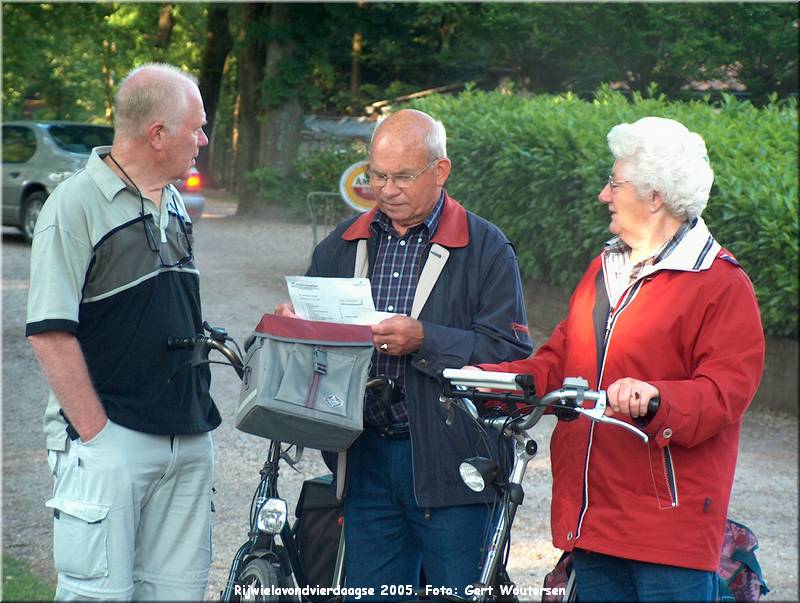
(483, 436)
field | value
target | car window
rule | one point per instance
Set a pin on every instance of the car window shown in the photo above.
(81, 139)
(19, 144)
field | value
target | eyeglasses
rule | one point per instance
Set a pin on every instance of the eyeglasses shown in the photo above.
(148, 232)
(615, 184)
(401, 181)
(156, 248)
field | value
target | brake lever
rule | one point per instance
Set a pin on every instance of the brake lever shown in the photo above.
(447, 404)
(598, 414)
(216, 333)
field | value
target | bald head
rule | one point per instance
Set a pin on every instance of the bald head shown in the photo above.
(416, 129)
(151, 93)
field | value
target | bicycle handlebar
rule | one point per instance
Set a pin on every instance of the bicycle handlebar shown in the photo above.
(201, 345)
(460, 383)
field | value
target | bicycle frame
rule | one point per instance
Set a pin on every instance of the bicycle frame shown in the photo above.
(525, 449)
(261, 543)
(461, 387)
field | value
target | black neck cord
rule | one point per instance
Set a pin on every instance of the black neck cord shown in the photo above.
(124, 173)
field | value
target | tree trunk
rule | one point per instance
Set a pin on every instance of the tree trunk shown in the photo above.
(165, 25)
(357, 47)
(250, 70)
(218, 44)
(280, 134)
(232, 161)
(355, 65)
(109, 48)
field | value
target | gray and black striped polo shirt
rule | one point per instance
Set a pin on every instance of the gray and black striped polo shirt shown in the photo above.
(93, 274)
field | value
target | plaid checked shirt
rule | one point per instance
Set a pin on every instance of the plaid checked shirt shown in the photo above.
(618, 254)
(398, 264)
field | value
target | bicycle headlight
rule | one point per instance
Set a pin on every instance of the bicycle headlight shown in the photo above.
(272, 516)
(477, 473)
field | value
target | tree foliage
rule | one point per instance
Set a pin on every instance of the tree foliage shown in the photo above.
(262, 65)
(535, 168)
(68, 58)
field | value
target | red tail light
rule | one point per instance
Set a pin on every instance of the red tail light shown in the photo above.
(194, 183)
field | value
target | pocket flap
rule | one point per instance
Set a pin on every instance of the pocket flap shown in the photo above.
(88, 512)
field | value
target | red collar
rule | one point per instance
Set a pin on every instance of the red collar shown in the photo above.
(452, 232)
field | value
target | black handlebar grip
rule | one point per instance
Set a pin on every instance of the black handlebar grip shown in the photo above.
(564, 411)
(524, 380)
(180, 343)
(652, 408)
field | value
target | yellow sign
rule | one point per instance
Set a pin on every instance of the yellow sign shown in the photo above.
(355, 189)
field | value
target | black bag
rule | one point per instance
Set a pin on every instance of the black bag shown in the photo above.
(318, 529)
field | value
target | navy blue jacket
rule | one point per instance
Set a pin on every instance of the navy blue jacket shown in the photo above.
(474, 314)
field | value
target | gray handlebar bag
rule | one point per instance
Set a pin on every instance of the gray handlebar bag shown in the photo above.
(304, 382)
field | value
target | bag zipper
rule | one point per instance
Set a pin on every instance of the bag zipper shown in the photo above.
(320, 369)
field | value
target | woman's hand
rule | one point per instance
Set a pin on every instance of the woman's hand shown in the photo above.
(470, 367)
(630, 397)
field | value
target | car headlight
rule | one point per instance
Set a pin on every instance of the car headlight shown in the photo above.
(477, 473)
(272, 516)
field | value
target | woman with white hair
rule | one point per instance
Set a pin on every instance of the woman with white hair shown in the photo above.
(663, 311)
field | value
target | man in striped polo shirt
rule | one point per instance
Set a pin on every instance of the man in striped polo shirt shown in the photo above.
(112, 276)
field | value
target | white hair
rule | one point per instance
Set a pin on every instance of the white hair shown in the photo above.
(152, 92)
(436, 141)
(662, 155)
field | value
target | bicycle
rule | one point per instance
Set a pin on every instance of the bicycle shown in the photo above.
(262, 568)
(461, 389)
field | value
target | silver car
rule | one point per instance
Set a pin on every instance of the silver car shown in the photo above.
(37, 155)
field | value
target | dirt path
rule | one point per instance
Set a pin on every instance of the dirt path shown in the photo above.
(243, 263)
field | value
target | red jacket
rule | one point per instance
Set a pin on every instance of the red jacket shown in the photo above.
(690, 326)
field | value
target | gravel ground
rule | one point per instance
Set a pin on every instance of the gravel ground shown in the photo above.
(243, 262)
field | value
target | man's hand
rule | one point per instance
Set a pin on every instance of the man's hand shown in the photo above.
(90, 426)
(64, 367)
(629, 397)
(398, 335)
(286, 309)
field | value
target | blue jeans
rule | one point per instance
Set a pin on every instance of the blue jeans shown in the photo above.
(388, 536)
(605, 578)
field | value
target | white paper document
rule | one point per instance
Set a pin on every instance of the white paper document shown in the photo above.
(342, 300)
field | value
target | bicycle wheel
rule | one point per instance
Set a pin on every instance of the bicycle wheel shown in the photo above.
(259, 582)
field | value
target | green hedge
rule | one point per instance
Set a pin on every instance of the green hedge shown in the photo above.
(317, 169)
(535, 166)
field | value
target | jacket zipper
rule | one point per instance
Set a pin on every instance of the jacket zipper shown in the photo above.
(613, 315)
(669, 476)
(669, 471)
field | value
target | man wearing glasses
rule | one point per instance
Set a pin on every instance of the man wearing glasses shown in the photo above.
(112, 276)
(452, 280)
